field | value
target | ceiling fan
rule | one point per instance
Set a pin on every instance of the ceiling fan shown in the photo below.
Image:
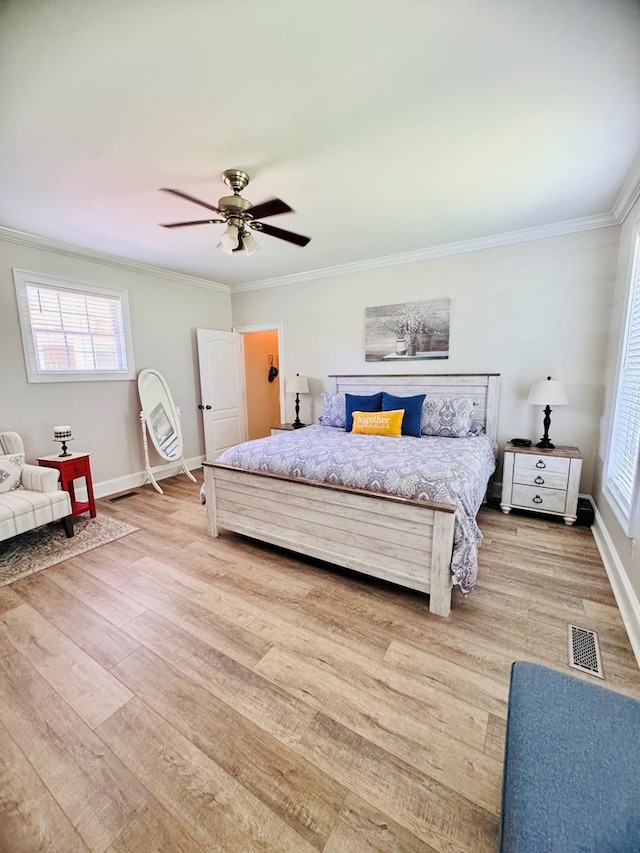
(240, 216)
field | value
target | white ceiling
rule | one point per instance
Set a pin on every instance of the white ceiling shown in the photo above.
(390, 126)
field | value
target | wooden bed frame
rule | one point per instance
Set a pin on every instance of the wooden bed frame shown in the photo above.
(407, 542)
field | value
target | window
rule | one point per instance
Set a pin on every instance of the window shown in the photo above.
(73, 332)
(622, 468)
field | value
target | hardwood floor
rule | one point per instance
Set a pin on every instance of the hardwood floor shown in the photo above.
(171, 692)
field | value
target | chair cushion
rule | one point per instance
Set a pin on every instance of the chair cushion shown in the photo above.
(22, 510)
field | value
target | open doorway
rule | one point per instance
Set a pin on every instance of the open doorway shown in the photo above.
(264, 389)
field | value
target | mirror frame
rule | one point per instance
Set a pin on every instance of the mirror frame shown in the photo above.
(173, 413)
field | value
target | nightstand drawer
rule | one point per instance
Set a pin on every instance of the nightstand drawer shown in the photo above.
(77, 469)
(545, 500)
(536, 477)
(528, 462)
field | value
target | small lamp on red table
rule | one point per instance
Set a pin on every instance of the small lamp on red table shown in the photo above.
(63, 435)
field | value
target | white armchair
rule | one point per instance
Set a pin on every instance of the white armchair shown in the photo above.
(29, 495)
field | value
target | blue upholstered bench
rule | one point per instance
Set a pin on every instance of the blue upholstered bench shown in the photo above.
(572, 766)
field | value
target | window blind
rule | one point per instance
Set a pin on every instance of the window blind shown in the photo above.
(75, 331)
(625, 436)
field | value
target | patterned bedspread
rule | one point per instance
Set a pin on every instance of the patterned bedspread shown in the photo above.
(448, 470)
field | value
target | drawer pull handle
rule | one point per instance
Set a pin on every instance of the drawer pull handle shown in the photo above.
(540, 464)
(537, 499)
(539, 481)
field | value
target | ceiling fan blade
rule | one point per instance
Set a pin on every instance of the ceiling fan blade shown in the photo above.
(195, 222)
(281, 234)
(271, 207)
(190, 198)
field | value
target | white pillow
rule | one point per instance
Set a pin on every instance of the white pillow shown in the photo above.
(11, 472)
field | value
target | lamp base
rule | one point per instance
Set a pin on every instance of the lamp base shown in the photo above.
(545, 441)
(63, 446)
(545, 444)
(297, 423)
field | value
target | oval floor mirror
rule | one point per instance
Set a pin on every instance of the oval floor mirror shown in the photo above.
(160, 417)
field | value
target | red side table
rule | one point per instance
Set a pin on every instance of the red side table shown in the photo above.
(71, 468)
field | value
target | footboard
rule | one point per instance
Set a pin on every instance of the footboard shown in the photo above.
(406, 542)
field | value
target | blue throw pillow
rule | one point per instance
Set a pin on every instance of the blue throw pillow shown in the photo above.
(356, 403)
(412, 411)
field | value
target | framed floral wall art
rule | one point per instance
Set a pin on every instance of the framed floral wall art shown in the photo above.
(408, 331)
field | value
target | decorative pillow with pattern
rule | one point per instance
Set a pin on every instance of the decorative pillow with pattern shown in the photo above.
(333, 410)
(477, 428)
(11, 471)
(448, 418)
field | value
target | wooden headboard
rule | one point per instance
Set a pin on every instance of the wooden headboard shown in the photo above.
(483, 388)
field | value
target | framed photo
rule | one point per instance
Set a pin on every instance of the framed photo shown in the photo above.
(408, 331)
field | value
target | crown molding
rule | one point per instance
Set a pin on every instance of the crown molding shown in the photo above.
(540, 232)
(627, 197)
(629, 194)
(34, 241)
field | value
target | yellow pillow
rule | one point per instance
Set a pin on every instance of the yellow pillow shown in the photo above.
(378, 423)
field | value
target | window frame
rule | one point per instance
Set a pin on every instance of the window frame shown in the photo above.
(22, 279)
(628, 516)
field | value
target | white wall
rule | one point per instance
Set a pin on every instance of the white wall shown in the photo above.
(105, 415)
(525, 311)
(620, 552)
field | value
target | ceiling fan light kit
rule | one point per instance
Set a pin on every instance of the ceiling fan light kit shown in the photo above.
(249, 243)
(240, 215)
(230, 237)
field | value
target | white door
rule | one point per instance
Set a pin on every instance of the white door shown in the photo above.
(222, 402)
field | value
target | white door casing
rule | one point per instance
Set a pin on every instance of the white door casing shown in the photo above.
(222, 387)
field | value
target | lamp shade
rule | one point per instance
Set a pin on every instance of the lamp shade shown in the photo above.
(548, 392)
(297, 384)
(223, 248)
(230, 237)
(249, 244)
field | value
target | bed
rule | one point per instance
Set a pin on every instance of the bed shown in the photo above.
(425, 537)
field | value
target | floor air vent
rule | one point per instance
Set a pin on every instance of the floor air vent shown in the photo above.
(121, 497)
(584, 651)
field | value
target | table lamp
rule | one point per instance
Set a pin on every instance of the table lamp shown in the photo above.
(547, 392)
(297, 385)
(63, 435)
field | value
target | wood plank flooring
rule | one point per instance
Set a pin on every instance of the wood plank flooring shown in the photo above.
(172, 692)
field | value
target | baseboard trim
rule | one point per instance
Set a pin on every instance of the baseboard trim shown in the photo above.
(105, 488)
(625, 596)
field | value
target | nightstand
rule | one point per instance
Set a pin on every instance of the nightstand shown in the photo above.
(281, 428)
(71, 468)
(545, 481)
